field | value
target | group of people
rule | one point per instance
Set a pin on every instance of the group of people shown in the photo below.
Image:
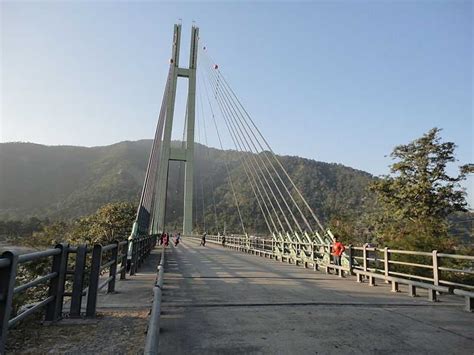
(164, 239)
(203, 240)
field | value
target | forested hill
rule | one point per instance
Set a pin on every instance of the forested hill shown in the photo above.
(64, 182)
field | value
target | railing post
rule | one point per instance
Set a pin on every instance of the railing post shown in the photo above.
(435, 268)
(350, 252)
(56, 286)
(329, 252)
(123, 264)
(142, 250)
(7, 284)
(133, 266)
(78, 282)
(376, 260)
(113, 268)
(139, 253)
(94, 280)
(386, 264)
(364, 255)
(315, 267)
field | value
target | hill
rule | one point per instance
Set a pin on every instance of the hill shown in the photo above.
(65, 182)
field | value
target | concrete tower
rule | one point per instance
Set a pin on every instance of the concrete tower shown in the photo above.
(185, 153)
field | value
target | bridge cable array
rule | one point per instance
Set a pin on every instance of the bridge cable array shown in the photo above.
(201, 121)
(199, 178)
(229, 176)
(144, 214)
(281, 203)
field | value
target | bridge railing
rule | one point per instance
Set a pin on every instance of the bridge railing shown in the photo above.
(153, 330)
(141, 248)
(451, 272)
(50, 275)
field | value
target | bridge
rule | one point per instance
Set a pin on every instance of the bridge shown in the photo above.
(277, 292)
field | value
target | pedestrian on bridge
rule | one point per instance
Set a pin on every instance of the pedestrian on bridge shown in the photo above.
(166, 239)
(337, 250)
(203, 240)
(177, 238)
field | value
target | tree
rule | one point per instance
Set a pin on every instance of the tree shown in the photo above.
(419, 195)
(112, 221)
(49, 235)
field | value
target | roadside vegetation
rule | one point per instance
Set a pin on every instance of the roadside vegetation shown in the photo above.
(418, 206)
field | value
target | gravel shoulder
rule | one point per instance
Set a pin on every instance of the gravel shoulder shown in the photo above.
(112, 332)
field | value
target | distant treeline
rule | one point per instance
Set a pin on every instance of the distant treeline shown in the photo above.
(110, 222)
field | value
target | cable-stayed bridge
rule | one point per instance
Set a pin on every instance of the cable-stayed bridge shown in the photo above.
(283, 208)
(248, 290)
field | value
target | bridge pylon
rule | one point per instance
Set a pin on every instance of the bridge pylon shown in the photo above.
(185, 153)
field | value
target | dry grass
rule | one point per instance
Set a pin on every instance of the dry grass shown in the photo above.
(112, 332)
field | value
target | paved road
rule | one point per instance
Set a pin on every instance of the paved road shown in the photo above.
(218, 301)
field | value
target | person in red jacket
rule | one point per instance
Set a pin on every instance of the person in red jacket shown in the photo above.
(337, 250)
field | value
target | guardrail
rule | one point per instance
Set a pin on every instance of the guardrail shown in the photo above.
(71, 269)
(153, 331)
(436, 272)
(141, 248)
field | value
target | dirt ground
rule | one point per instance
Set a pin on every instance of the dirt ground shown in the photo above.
(113, 332)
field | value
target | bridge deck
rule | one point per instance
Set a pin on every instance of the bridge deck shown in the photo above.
(224, 301)
(218, 301)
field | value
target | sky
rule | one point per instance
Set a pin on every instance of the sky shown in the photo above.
(336, 81)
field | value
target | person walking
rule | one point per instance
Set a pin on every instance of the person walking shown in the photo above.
(166, 239)
(223, 240)
(177, 239)
(203, 240)
(337, 250)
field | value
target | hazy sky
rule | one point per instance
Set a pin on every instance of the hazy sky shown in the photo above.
(337, 81)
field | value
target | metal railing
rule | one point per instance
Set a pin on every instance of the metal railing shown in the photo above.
(141, 248)
(153, 331)
(99, 267)
(451, 272)
(75, 271)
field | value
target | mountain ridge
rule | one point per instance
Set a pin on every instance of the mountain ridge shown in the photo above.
(65, 182)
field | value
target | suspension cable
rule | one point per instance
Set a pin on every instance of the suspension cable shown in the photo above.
(255, 163)
(146, 202)
(225, 162)
(252, 182)
(260, 181)
(231, 106)
(200, 176)
(232, 120)
(271, 150)
(234, 115)
(200, 103)
(242, 109)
